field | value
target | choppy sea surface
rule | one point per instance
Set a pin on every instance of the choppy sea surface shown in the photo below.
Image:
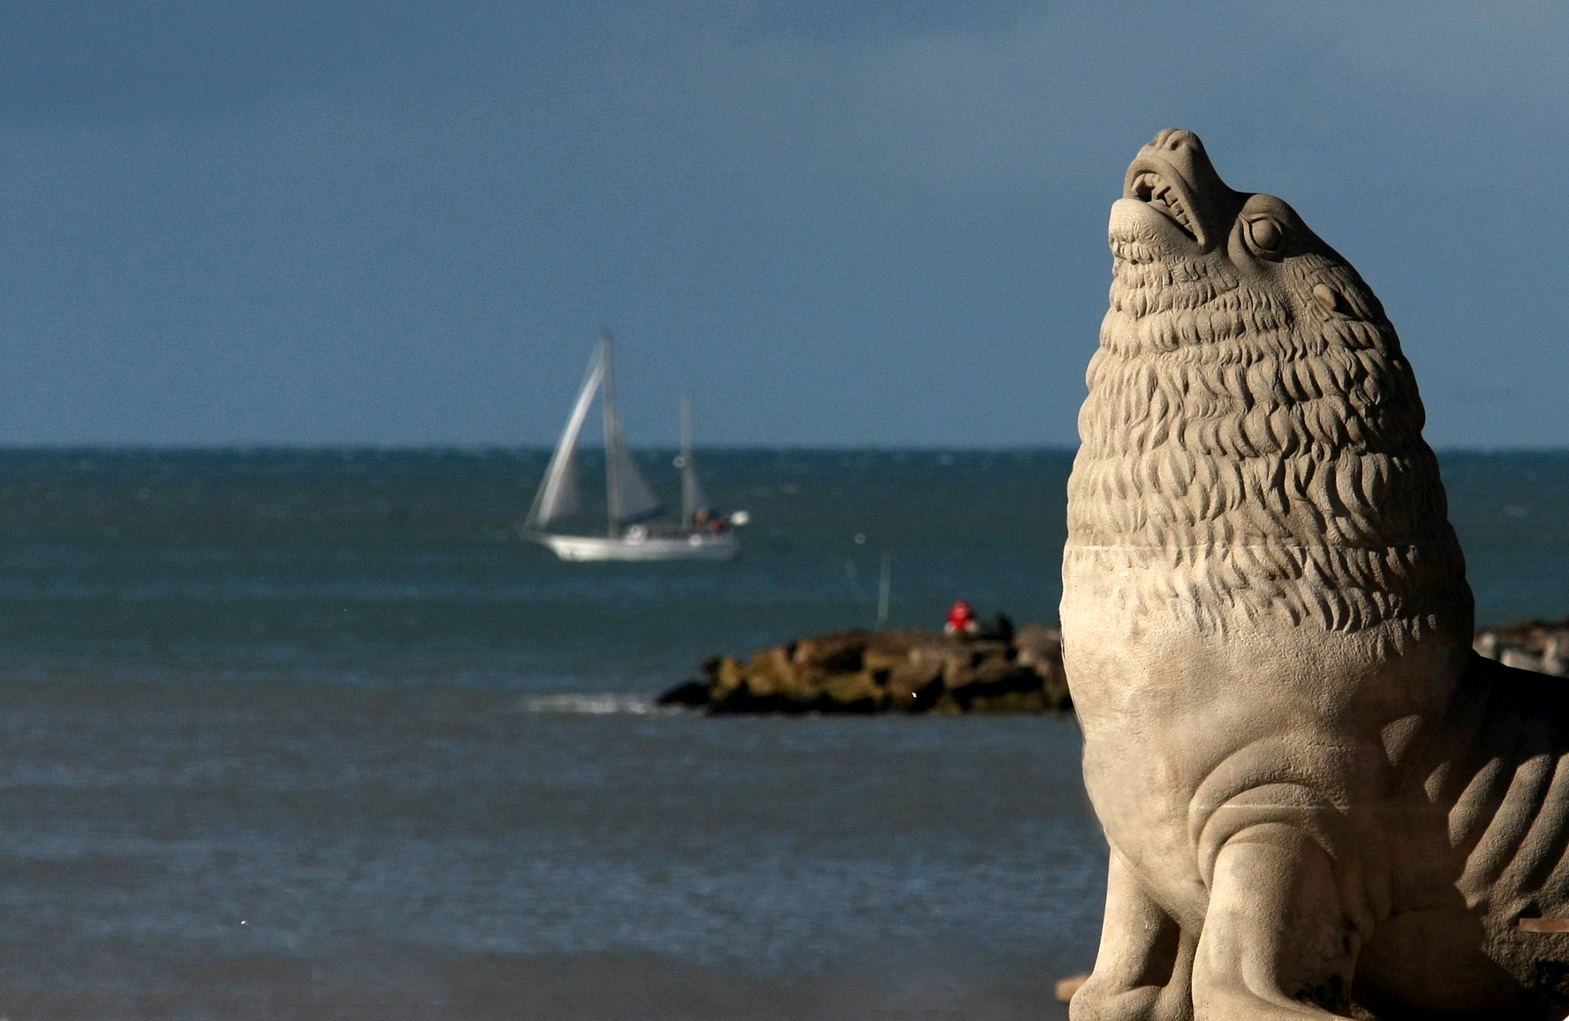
(293, 734)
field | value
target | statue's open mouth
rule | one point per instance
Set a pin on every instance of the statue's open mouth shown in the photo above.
(1158, 184)
(1159, 193)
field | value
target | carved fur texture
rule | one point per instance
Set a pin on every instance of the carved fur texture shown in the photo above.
(1319, 802)
(1267, 441)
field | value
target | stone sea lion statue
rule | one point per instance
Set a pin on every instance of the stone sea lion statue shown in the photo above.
(1320, 802)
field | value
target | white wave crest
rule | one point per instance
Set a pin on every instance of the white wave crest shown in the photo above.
(589, 704)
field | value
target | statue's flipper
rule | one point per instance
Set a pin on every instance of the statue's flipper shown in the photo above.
(1277, 942)
(1141, 972)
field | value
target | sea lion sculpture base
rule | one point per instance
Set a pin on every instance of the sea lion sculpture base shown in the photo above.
(1320, 802)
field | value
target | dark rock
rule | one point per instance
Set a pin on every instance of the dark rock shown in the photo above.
(887, 649)
(688, 694)
(1000, 629)
(1040, 649)
(997, 686)
(835, 653)
(914, 686)
(852, 693)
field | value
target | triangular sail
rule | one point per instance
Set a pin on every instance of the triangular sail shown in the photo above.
(631, 499)
(694, 500)
(558, 494)
(693, 494)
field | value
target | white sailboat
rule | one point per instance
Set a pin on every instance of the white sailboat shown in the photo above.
(631, 503)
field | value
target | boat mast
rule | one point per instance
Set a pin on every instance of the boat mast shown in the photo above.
(628, 495)
(612, 430)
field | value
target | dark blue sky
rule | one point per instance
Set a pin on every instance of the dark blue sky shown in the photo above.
(837, 223)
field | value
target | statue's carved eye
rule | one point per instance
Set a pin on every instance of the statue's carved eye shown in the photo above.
(1266, 236)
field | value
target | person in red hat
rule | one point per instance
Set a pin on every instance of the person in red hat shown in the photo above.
(961, 620)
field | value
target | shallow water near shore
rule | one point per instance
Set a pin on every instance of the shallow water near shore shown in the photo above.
(205, 851)
(312, 734)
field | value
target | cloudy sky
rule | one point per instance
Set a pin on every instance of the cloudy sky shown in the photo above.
(862, 222)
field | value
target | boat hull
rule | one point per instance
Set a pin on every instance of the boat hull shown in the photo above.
(686, 546)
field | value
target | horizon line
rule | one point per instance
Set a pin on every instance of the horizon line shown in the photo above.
(48, 447)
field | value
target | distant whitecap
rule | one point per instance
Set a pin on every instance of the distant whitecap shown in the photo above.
(590, 704)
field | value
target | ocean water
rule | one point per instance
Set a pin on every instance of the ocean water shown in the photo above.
(315, 735)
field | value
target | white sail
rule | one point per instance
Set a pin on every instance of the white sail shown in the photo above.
(558, 494)
(693, 494)
(693, 498)
(630, 497)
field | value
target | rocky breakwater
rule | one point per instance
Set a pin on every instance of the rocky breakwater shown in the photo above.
(887, 671)
(932, 672)
(1537, 645)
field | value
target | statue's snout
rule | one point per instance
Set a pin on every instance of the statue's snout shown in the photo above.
(1175, 172)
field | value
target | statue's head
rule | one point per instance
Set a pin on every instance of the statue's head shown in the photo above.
(1198, 212)
(1182, 231)
(1251, 413)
